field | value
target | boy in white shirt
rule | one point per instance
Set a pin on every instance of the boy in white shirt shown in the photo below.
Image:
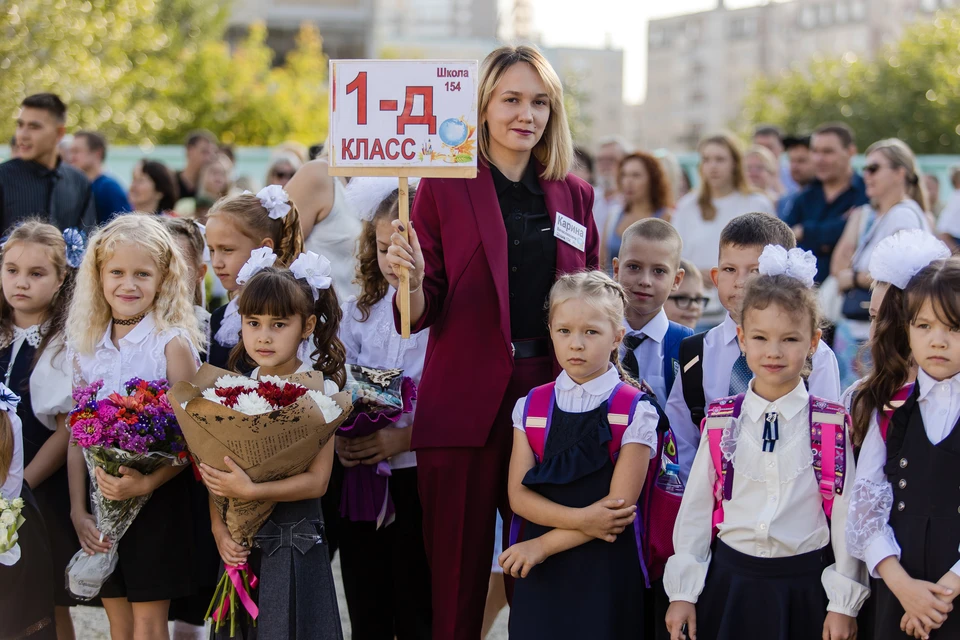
(711, 364)
(648, 268)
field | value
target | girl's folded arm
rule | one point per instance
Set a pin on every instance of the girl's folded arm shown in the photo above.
(312, 483)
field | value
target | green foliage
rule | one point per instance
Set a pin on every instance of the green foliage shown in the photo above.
(148, 71)
(909, 91)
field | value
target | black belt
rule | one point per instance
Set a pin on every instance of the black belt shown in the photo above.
(536, 348)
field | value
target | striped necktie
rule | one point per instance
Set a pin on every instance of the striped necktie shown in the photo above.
(740, 376)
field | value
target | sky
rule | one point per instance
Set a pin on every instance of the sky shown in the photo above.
(622, 23)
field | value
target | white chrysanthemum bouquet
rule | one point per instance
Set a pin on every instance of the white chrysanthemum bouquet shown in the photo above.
(10, 522)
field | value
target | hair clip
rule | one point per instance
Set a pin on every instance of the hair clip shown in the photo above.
(275, 200)
(796, 263)
(259, 260)
(903, 255)
(76, 244)
(315, 269)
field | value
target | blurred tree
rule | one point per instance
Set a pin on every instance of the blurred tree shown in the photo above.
(909, 91)
(149, 71)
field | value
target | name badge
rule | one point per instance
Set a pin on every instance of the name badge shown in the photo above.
(570, 231)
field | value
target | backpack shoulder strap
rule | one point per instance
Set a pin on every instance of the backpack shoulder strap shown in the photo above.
(671, 353)
(829, 423)
(691, 372)
(719, 414)
(883, 419)
(537, 413)
(620, 410)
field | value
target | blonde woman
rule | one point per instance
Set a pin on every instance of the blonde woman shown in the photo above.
(700, 215)
(761, 168)
(482, 256)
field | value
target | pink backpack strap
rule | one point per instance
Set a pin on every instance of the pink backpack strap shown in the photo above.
(895, 403)
(828, 437)
(621, 407)
(537, 414)
(719, 414)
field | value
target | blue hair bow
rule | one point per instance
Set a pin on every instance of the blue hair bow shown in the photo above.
(76, 244)
(8, 399)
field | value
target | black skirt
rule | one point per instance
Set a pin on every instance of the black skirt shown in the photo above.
(296, 593)
(26, 588)
(769, 598)
(206, 559)
(155, 555)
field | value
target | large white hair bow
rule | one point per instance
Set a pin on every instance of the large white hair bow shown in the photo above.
(313, 268)
(899, 257)
(795, 263)
(259, 260)
(275, 200)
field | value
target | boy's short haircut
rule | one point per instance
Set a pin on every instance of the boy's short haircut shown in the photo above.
(654, 230)
(757, 230)
(49, 102)
(690, 270)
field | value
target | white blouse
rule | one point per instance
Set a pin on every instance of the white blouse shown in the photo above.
(776, 510)
(50, 383)
(141, 355)
(376, 343)
(869, 535)
(575, 398)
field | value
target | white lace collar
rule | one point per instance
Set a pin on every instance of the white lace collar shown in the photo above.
(32, 335)
(228, 335)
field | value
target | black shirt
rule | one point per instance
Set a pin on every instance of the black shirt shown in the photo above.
(183, 190)
(531, 251)
(61, 196)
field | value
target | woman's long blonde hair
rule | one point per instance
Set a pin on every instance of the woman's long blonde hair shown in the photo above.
(555, 149)
(90, 314)
(900, 155)
(705, 197)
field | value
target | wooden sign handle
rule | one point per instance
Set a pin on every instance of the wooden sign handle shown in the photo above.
(404, 293)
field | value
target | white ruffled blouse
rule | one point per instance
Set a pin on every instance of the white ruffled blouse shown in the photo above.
(869, 535)
(776, 510)
(576, 398)
(50, 385)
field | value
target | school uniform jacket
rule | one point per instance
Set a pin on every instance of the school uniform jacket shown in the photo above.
(469, 357)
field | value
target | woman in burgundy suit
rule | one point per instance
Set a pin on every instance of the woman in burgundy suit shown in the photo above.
(482, 255)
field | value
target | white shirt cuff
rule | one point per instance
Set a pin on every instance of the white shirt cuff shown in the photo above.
(879, 549)
(956, 568)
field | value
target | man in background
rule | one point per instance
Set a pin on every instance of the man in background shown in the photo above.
(88, 153)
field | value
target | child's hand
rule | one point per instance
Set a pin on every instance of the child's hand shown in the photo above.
(607, 518)
(951, 581)
(89, 535)
(234, 483)
(921, 599)
(839, 627)
(521, 558)
(130, 484)
(913, 628)
(376, 447)
(231, 552)
(682, 613)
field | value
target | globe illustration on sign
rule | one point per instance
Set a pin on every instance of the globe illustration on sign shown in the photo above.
(453, 132)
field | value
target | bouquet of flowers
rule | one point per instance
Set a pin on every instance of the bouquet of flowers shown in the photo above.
(272, 428)
(10, 522)
(380, 397)
(137, 430)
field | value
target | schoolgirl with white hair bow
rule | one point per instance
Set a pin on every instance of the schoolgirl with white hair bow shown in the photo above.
(771, 482)
(280, 309)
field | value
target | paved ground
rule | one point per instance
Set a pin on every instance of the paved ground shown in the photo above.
(91, 623)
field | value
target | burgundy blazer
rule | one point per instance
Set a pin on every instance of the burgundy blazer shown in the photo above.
(469, 357)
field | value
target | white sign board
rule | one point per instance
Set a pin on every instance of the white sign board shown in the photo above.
(403, 118)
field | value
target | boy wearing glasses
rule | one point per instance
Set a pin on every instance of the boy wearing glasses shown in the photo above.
(686, 305)
(648, 267)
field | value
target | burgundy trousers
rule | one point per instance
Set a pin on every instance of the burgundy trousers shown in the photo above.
(461, 489)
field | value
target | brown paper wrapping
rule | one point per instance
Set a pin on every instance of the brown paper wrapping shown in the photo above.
(271, 446)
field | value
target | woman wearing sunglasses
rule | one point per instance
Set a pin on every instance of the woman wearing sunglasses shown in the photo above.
(897, 201)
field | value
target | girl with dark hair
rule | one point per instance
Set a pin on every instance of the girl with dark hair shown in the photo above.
(280, 309)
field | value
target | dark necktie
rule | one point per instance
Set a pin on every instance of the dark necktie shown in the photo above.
(630, 365)
(740, 376)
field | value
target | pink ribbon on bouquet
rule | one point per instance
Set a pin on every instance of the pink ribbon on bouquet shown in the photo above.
(234, 572)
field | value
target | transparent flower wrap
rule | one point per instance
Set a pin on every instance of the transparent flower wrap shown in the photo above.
(86, 574)
(10, 522)
(365, 495)
(270, 446)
